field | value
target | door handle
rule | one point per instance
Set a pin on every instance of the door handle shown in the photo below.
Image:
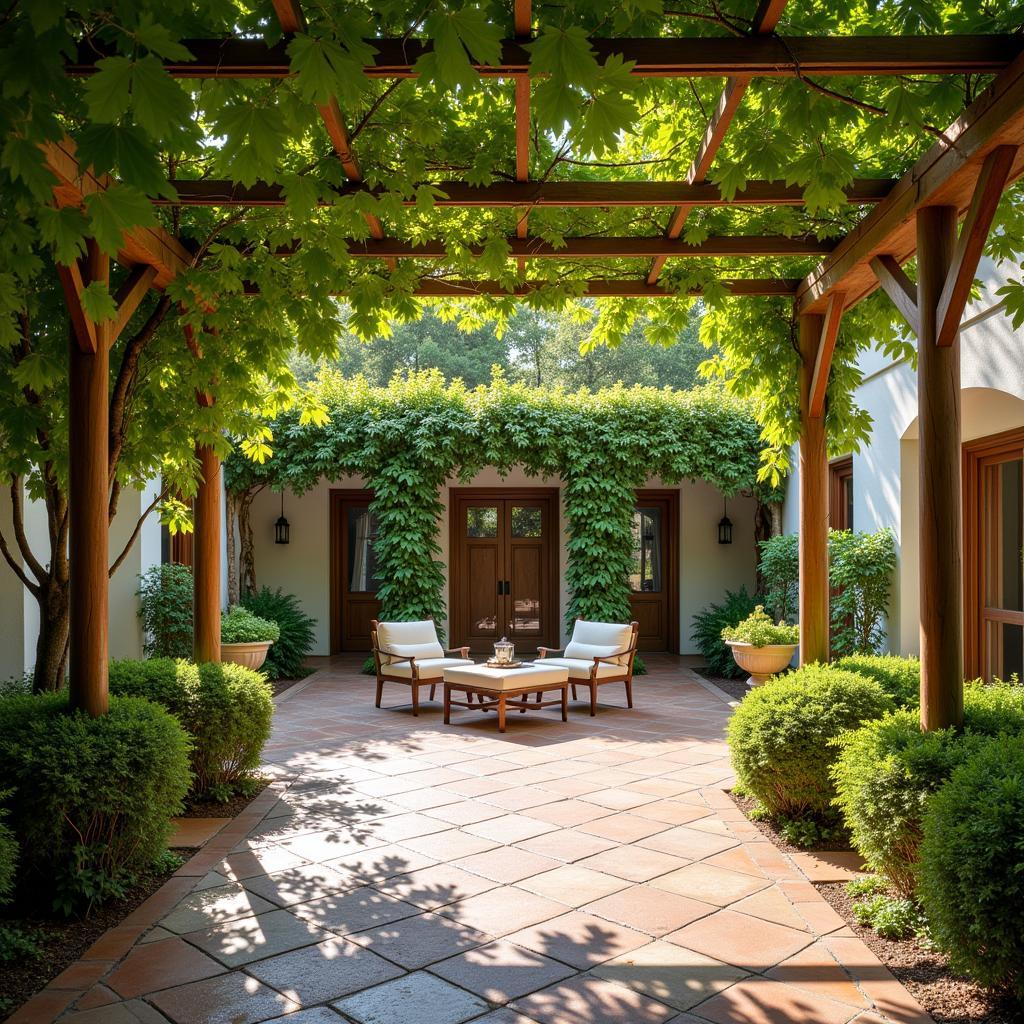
(508, 587)
(501, 587)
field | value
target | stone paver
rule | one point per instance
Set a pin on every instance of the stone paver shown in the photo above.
(399, 871)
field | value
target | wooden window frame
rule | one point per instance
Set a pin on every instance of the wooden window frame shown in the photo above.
(839, 471)
(976, 455)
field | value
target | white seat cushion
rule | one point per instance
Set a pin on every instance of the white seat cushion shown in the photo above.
(600, 640)
(541, 673)
(579, 668)
(409, 640)
(426, 668)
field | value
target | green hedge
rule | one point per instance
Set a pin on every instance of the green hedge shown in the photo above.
(971, 877)
(899, 677)
(8, 852)
(93, 797)
(227, 709)
(782, 735)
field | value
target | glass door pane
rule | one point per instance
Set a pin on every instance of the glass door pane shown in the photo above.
(646, 575)
(362, 559)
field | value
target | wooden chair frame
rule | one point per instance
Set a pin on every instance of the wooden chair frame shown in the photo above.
(413, 682)
(626, 676)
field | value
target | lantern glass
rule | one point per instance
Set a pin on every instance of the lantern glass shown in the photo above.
(282, 531)
(504, 652)
(725, 530)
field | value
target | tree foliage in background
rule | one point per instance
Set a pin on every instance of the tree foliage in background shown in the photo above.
(165, 607)
(860, 572)
(419, 433)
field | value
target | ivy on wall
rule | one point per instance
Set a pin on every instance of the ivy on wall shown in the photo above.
(411, 438)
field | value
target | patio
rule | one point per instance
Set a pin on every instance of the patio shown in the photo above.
(404, 872)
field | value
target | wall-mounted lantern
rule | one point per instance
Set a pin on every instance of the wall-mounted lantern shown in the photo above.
(282, 530)
(725, 525)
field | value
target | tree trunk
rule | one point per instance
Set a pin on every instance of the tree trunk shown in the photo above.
(230, 519)
(247, 547)
(52, 642)
(764, 522)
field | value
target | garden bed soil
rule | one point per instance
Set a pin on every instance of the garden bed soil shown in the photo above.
(925, 973)
(224, 809)
(62, 942)
(736, 688)
(279, 686)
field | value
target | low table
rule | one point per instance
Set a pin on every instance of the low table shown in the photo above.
(504, 688)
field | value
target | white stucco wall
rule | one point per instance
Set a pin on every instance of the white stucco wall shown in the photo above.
(706, 568)
(885, 472)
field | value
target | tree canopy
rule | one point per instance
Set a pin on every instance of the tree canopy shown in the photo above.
(591, 120)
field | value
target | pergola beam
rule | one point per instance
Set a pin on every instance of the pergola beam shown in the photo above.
(899, 288)
(662, 57)
(823, 357)
(551, 194)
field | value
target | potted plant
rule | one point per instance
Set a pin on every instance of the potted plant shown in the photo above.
(245, 638)
(761, 647)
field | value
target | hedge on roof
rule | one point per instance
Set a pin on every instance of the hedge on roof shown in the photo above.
(410, 438)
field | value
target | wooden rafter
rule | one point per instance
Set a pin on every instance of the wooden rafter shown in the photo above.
(765, 20)
(215, 192)
(662, 57)
(826, 349)
(944, 176)
(899, 288)
(73, 285)
(522, 19)
(624, 247)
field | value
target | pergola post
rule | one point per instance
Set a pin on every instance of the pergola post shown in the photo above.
(940, 513)
(88, 497)
(814, 590)
(206, 557)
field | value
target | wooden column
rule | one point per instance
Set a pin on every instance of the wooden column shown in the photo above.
(206, 557)
(88, 497)
(940, 512)
(814, 590)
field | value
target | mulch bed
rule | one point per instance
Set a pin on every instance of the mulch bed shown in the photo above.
(62, 942)
(736, 688)
(925, 973)
(223, 809)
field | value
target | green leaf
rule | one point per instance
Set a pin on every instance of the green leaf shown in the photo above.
(114, 211)
(158, 38)
(324, 70)
(565, 54)
(38, 370)
(124, 151)
(255, 139)
(65, 230)
(108, 92)
(159, 103)
(98, 303)
(26, 162)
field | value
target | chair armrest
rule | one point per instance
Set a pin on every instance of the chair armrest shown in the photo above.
(612, 659)
(411, 658)
(463, 652)
(543, 652)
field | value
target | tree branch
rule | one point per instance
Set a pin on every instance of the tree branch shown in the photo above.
(135, 533)
(33, 588)
(18, 518)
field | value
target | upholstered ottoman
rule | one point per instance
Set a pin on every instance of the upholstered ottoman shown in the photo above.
(504, 688)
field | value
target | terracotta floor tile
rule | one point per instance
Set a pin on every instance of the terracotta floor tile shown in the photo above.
(450, 845)
(736, 859)
(618, 799)
(667, 972)
(158, 965)
(771, 905)
(377, 864)
(333, 843)
(297, 885)
(588, 1000)
(211, 906)
(815, 970)
(687, 842)
(354, 911)
(760, 1001)
(416, 942)
(663, 788)
(233, 998)
(673, 812)
(414, 999)
(568, 813)
(466, 812)
(239, 942)
(574, 885)
(247, 863)
(710, 884)
(503, 910)
(328, 970)
(570, 787)
(512, 828)
(436, 886)
(580, 940)
(837, 866)
(507, 864)
(566, 845)
(747, 942)
(623, 828)
(501, 971)
(518, 799)
(649, 910)
(195, 831)
(633, 863)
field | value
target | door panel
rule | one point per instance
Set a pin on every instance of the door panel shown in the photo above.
(354, 581)
(503, 578)
(654, 579)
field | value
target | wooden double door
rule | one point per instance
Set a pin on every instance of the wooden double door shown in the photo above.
(503, 574)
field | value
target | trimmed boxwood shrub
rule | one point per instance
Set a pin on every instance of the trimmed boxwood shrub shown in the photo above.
(93, 797)
(227, 709)
(781, 736)
(286, 654)
(238, 625)
(707, 631)
(899, 677)
(885, 772)
(8, 852)
(971, 881)
(994, 708)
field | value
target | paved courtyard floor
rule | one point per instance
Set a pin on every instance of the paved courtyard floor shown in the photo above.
(401, 871)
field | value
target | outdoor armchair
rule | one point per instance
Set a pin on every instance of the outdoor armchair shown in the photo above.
(598, 653)
(411, 654)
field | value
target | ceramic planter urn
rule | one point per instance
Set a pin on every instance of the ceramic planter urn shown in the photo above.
(250, 655)
(761, 662)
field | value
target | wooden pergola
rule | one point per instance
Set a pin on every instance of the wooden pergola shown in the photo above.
(960, 178)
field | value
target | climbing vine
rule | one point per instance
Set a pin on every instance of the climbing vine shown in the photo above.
(409, 439)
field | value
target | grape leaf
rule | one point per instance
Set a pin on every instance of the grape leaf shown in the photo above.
(114, 211)
(98, 303)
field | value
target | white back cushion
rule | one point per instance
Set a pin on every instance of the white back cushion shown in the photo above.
(409, 639)
(599, 640)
